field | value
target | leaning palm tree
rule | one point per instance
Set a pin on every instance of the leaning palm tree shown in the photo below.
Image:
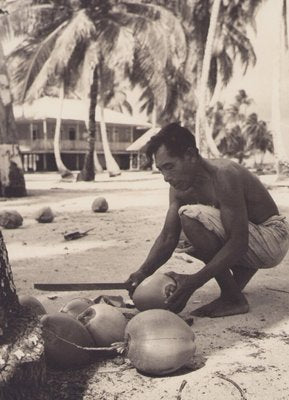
(64, 172)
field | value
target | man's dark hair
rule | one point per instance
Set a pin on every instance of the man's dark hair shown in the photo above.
(176, 138)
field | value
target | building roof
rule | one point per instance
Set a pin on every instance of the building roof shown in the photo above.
(142, 140)
(77, 110)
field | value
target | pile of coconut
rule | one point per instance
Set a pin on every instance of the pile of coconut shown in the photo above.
(155, 340)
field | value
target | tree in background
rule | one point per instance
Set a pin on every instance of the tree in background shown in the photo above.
(259, 138)
(158, 64)
(281, 43)
(238, 134)
(12, 183)
(86, 35)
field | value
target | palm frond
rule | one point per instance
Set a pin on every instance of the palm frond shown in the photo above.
(38, 55)
(79, 30)
(30, 17)
(244, 46)
(85, 68)
(226, 67)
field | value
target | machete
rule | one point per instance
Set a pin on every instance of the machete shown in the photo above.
(62, 287)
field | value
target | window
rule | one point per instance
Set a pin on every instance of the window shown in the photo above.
(35, 133)
(110, 135)
(72, 134)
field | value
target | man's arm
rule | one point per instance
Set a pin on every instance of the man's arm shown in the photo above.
(164, 245)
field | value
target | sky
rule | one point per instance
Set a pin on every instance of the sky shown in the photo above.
(258, 80)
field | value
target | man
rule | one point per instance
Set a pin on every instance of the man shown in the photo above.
(228, 216)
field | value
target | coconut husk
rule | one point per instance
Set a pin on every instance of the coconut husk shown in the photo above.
(10, 219)
(44, 215)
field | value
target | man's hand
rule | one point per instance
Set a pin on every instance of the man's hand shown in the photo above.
(184, 290)
(134, 280)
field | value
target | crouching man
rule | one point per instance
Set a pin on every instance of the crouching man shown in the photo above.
(231, 221)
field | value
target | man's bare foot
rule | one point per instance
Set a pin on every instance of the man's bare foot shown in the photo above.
(223, 307)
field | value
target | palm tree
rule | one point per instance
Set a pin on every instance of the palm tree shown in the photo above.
(64, 172)
(201, 129)
(20, 331)
(99, 23)
(281, 159)
(12, 181)
(158, 65)
(42, 50)
(227, 43)
(259, 138)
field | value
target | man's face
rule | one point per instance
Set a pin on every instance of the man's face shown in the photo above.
(177, 171)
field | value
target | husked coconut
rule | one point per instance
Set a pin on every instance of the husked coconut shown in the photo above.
(10, 219)
(76, 306)
(159, 342)
(62, 334)
(44, 215)
(153, 292)
(32, 302)
(105, 323)
(99, 205)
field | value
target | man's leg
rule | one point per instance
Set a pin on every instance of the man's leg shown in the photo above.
(243, 275)
(205, 245)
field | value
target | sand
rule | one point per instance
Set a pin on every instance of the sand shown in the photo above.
(238, 357)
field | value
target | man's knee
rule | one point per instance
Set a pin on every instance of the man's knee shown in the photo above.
(191, 226)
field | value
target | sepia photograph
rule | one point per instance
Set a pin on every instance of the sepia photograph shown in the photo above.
(144, 199)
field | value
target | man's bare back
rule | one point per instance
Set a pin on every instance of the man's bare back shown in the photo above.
(209, 189)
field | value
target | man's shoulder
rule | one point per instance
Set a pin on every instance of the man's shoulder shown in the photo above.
(225, 167)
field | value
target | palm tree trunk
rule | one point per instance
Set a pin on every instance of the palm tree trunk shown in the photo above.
(279, 149)
(88, 173)
(154, 124)
(23, 371)
(97, 166)
(218, 88)
(204, 140)
(111, 165)
(12, 183)
(64, 172)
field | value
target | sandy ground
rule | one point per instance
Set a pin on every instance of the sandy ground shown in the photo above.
(238, 357)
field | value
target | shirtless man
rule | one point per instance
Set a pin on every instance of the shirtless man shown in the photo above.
(228, 216)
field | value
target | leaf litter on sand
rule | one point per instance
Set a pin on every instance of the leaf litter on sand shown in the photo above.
(253, 333)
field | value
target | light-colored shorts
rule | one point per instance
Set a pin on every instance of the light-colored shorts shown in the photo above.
(268, 242)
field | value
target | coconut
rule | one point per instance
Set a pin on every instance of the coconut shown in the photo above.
(99, 205)
(44, 215)
(62, 334)
(153, 292)
(105, 323)
(76, 306)
(159, 342)
(10, 219)
(34, 304)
